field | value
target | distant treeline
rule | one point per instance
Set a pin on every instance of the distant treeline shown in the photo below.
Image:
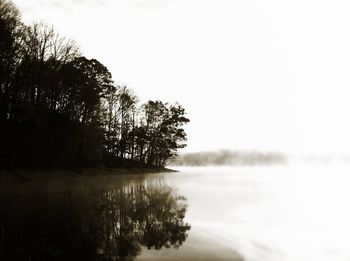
(58, 108)
(229, 158)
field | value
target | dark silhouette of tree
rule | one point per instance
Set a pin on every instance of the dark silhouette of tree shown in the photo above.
(10, 52)
(59, 108)
(126, 114)
(161, 132)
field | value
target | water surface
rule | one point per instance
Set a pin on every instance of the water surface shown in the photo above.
(270, 214)
(251, 213)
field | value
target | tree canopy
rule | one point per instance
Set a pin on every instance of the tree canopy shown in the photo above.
(59, 108)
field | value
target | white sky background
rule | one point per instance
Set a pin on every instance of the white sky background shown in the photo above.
(264, 75)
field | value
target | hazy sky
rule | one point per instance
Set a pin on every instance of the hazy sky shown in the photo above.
(266, 75)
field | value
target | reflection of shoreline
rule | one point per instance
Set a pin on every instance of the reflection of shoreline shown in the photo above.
(83, 221)
(200, 245)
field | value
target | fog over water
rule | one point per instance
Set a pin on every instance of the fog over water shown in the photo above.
(253, 213)
(281, 213)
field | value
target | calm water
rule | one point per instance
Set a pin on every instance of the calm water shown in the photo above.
(294, 213)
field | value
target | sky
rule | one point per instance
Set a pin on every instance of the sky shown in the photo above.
(266, 75)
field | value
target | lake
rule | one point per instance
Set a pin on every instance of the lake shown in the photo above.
(242, 213)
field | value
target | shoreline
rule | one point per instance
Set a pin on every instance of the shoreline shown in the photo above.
(55, 173)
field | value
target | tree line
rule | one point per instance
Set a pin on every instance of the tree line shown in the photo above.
(59, 108)
(230, 158)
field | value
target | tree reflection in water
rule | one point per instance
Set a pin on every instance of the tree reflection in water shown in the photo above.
(90, 223)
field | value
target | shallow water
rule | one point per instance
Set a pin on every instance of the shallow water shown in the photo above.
(281, 213)
(251, 213)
